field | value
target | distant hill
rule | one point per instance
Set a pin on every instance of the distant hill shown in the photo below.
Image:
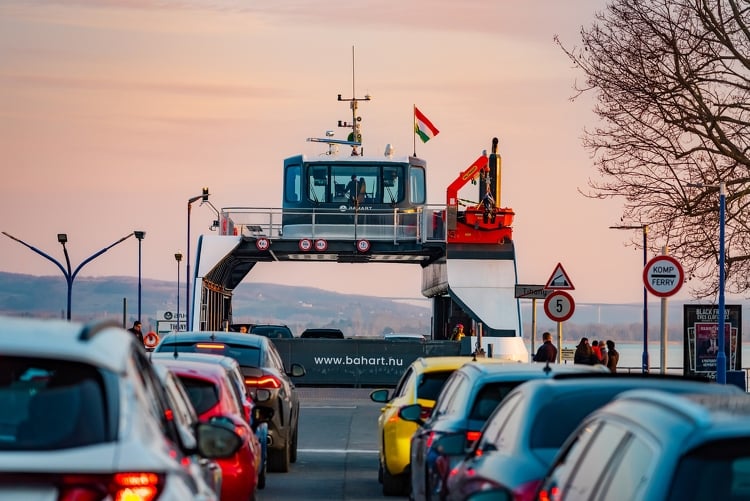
(303, 307)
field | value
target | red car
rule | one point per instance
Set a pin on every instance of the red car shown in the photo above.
(211, 393)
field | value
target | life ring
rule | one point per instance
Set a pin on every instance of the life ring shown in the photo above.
(151, 340)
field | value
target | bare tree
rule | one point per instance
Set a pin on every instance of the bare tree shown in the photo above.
(672, 86)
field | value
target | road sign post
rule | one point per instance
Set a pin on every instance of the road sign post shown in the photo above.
(663, 277)
(533, 292)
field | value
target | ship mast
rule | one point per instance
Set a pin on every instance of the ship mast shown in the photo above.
(355, 136)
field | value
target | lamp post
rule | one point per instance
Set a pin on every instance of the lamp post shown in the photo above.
(70, 275)
(140, 236)
(644, 229)
(204, 197)
(178, 258)
(721, 357)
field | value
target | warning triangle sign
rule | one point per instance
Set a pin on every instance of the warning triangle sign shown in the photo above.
(559, 279)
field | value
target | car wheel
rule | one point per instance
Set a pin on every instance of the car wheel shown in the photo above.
(293, 451)
(278, 459)
(393, 485)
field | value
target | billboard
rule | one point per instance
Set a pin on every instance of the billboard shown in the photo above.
(701, 329)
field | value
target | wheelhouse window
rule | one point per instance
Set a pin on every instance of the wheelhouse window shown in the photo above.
(364, 184)
(292, 177)
(417, 185)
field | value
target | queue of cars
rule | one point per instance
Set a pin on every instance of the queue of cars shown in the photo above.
(89, 414)
(549, 432)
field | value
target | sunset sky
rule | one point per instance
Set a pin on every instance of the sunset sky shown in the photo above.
(113, 113)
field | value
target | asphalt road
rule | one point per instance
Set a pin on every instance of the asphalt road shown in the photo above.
(337, 450)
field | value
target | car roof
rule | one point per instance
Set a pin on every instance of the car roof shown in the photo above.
(224, 360)
(452, 362)
(103, 343)
(220, 336)
(523, 370)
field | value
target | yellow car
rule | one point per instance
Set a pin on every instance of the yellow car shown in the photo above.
(421, 383)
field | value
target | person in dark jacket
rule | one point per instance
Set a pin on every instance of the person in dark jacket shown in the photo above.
(136, 331)
(547, 351)
(584, 354)
(614, 356)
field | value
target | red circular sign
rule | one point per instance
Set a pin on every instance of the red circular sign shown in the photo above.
(663, 276)
(262, 244)
(559, 306)
(305, 244)
(321, 245)
(363, 245)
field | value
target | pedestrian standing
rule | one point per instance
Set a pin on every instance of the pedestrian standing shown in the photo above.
(614, 356)
(584, 354)
(136, 331)
(458, 333)
(547, 352)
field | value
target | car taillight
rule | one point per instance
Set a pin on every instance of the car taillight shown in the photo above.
(526, 492)
(210, 346)
(425, 413)
(430, 438)
(265, 381)
(550, 495)
(132, 486)
(472, 436)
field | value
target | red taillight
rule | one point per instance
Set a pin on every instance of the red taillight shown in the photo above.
(526, 492)
(266, 381)
(134, 486)
(430, 438)
(550, 495)
(472, 436)
(425, 413)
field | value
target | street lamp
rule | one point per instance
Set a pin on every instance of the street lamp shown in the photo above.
(204, 198)
(644, 229)
(70, 276)
(721, 356)
(178, 258)
(140, 236)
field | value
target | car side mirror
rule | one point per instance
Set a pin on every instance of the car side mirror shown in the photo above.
(297, 370)
(451, 445)
(412, 412)
(217, 439)
(380, 396)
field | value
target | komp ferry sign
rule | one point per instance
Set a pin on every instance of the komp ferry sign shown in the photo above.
(663, 276)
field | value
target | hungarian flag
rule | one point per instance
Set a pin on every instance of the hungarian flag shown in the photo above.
(423, 127)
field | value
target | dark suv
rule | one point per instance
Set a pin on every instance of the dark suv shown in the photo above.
(262, 368)
(322, 333)
(272, 331)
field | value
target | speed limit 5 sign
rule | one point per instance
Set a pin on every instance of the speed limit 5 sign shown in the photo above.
(559, 306)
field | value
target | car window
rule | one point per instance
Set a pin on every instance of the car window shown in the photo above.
(488, 397)
(431, 383)
(275, 358)
(628, 471)
(696, 473)
(556, 419)
(202, 393)
(403, 383)
(504, 417)
(230, 397)
(245, 355)
(183, 414)
(155, 398)
(271, 331)
(587, 467)
(455, 385)
(51, 404)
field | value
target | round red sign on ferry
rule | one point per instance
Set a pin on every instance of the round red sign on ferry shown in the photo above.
(663, 276)
(262, 244)
(363, 245)
(321, 245)
(305, 244)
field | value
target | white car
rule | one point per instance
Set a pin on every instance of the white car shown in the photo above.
(84, 416)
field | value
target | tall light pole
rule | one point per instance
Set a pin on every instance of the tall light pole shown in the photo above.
(140, 236)
(178, 258)
(204, 197)
(70, 275)
(721, 357)
(644, 228)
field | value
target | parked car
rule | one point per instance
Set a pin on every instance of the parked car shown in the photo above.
(322, 334)
(466, 401)
(649, 445)
(262, 368)
(258, 421)
(521, 437)
(212, 394)
(420, 384)
(85, 416)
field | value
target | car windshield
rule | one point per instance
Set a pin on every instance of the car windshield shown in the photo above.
(203, 394)
(557, 419)
(50, 404)
(247, 356)
(716, 470)
(431, 383)
(488, 397)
